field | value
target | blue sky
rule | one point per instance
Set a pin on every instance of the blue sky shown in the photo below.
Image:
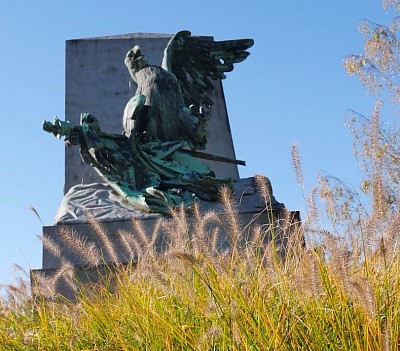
(292, 89)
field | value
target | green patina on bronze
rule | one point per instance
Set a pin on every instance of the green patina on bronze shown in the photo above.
(150, 165)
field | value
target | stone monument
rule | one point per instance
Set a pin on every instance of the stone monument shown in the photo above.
(149, 140)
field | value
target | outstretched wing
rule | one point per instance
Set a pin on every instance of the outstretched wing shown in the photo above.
(197, 61)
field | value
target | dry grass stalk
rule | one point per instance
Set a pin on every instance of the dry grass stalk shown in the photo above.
(46, 285)
(43, 286)
(392, 239)
(312, 261)
(154, 236)
(313, 213)
(203, 243)
(36, 213)
(50, 245)
(229, 205)
(375, 130)
(295, 243)
(140, 244)
(87, 251)
(140, 232)
(297, 165)
(287, 230)
(127, 244)
(16, 296)
(340, 264)
(326, 194)
(66, 272)
(109, 253)
(366, 296)
(213, 241)
(387, 4)
(178, 230)
(379, 197)
(368, 235)
(265, 189)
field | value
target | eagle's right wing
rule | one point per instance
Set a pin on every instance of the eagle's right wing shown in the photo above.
(197, 61)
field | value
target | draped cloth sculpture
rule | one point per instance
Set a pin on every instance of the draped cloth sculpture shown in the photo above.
(150, 165)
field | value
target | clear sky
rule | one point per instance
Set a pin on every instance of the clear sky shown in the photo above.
(292, 89)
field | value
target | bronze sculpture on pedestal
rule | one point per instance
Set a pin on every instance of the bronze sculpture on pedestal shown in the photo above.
(153, 165)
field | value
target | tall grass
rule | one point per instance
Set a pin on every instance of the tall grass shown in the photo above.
(337, 293)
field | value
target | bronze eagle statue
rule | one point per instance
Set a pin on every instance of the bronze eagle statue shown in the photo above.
(149, 166)
(172, 100)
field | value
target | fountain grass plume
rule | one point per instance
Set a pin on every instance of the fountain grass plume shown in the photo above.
(109, 254)
(80, 246)
(129, 244)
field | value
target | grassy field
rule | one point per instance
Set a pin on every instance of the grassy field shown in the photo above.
(335, 293)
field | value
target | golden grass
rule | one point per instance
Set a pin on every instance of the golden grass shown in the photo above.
(331, 295)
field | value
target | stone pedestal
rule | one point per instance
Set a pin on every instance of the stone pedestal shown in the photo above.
(105, 237)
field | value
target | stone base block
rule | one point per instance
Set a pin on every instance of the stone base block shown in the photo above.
(79, 250)
(63, 269)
